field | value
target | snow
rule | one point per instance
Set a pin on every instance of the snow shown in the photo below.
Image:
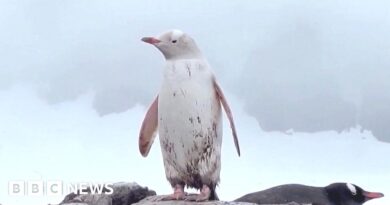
(70, 142)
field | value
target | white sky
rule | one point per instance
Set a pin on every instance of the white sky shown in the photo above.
(75, 79)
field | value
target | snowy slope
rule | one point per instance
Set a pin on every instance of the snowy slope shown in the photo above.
(72, 143)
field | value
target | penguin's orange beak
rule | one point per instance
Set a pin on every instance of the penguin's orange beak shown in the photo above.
(372, 195)
(150, 40)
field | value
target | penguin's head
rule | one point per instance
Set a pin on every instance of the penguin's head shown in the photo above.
(349, 194)
(174, 44)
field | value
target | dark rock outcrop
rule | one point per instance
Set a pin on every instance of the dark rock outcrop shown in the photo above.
(155, 200)
(123, 194)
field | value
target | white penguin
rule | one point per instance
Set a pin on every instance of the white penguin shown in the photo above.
(187, 114)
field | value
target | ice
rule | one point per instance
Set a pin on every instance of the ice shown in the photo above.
(70, 142)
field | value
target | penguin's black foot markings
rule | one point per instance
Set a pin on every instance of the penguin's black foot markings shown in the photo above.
(178, 194)
(204, 195)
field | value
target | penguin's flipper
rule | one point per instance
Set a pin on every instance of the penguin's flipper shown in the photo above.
(149, 129)
(229, 114)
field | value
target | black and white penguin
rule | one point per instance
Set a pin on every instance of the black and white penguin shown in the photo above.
(333, 194)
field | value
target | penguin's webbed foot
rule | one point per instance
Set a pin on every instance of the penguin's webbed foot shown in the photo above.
(204, 195)
(178, 194)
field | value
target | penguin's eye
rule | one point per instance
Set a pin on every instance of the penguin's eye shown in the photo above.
(174, 41)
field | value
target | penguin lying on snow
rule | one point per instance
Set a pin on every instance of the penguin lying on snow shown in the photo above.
(333, 194)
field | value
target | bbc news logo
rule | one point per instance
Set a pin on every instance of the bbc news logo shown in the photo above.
(57, 188)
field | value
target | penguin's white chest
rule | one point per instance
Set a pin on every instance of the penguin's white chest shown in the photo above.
(190, 125)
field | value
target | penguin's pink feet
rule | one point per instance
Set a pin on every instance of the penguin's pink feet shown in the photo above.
(204, 195)
(178, 193)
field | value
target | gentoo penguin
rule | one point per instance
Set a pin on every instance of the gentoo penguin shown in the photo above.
(187, 114)
(333, 194)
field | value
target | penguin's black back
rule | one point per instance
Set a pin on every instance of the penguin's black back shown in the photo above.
(288, 193)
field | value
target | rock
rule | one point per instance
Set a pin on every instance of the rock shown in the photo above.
(95, 199)
(156, 200)
(123, 194)
(132, 193)
(75, 204)
(126, 194)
